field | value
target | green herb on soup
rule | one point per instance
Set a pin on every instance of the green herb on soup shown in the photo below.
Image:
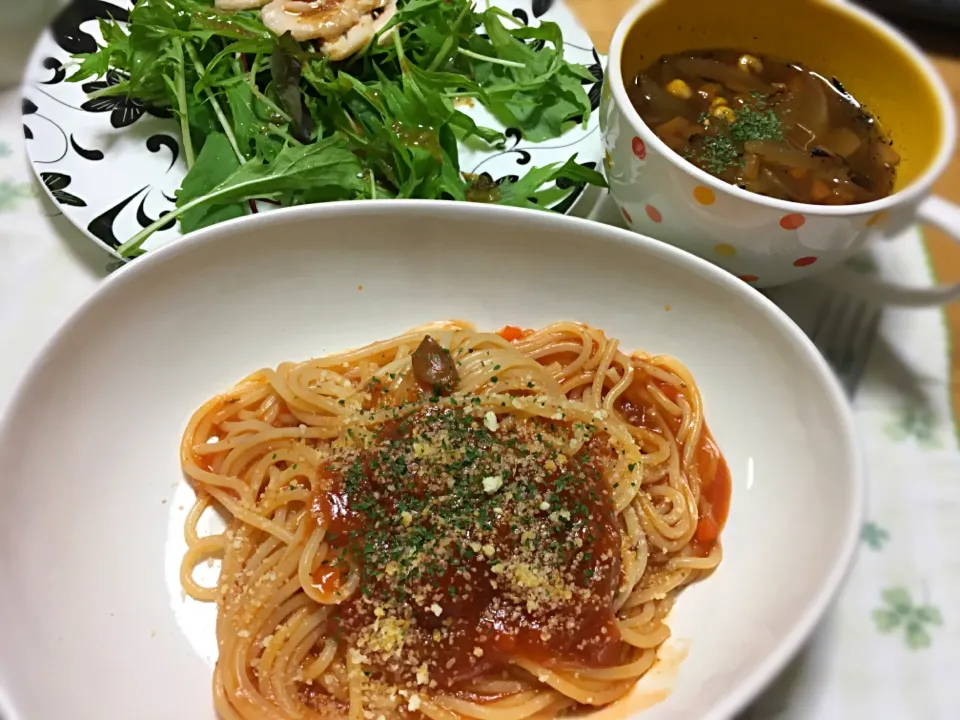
(768, 126)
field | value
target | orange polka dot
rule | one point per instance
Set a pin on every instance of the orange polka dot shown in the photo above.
(804, 261)
(639, 148)
(793, 221)
(626, 215)
(749, 278)
(654, 214)
(877, 219)
(725, 250)
(704, 195)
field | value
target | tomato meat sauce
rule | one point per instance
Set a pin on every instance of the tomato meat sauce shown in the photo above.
(474, 547)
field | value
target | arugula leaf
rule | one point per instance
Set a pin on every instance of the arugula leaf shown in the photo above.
(328, 162)
(526, 192)
(545, 93)
(114, 53)
(326, 166)
(215, 163)
(247, 127)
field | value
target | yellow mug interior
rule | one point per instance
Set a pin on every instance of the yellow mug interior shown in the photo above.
(826, 37)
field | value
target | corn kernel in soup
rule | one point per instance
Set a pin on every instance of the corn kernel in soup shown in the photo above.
(768, 126)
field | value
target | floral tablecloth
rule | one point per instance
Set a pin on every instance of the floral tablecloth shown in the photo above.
(884, 650)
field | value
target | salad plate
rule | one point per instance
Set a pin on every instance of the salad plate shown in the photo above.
(114, 164)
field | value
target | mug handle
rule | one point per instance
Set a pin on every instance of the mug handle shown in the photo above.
(936, 211)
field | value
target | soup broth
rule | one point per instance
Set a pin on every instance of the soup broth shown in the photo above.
(768, 126)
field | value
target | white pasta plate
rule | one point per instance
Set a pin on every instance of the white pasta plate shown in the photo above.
(94, 497)
(113, 165)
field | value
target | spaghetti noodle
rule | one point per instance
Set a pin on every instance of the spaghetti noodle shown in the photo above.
(451, 524)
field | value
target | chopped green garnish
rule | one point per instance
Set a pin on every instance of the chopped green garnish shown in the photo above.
(756, 124)
(723, 149)
(716, 153)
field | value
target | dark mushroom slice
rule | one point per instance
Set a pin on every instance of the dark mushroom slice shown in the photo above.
(433, 367)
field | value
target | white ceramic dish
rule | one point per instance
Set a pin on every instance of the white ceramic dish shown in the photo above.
(91, 615)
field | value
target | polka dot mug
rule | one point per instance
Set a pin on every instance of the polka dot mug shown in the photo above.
(766, 241)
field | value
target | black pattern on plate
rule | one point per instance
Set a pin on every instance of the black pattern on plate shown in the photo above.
(56, 184)
(146, 220)
(541, 7)
(156, 142)
(596, 69)
(564, 205)
(525, 156)
(124, 111)
(59, 74)
(101, 227)
(66, 28)
(596, 85)
(93, 155)
(29, 109)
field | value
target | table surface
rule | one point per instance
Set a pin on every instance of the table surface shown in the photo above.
(886, 648)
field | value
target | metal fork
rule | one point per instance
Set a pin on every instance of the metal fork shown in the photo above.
(844, 331)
